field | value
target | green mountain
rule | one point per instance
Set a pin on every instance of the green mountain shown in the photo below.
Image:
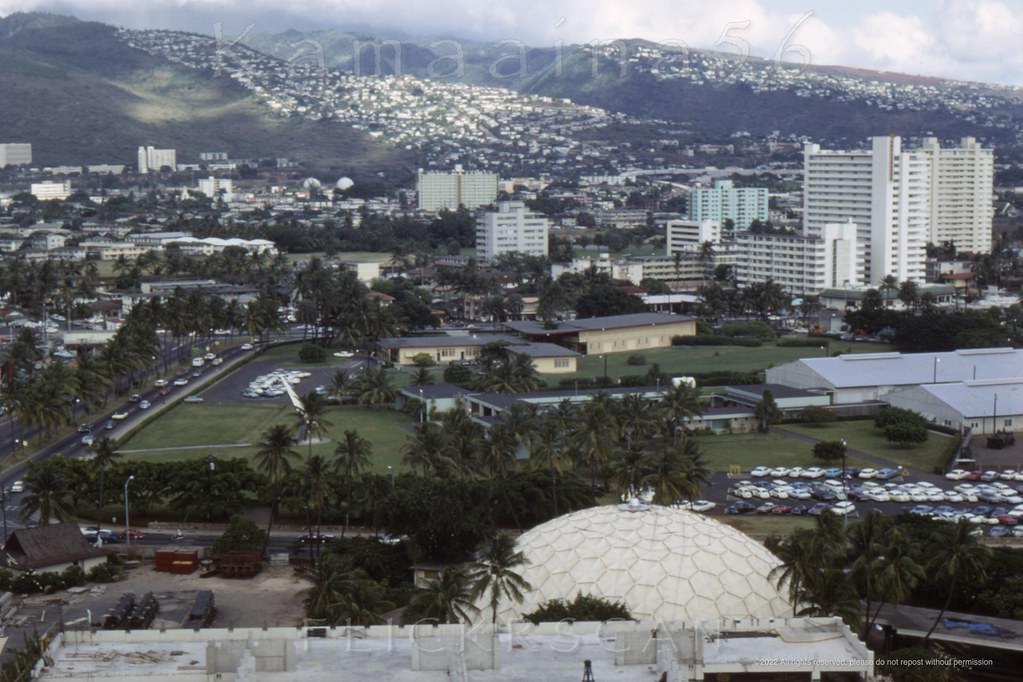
(81, 95)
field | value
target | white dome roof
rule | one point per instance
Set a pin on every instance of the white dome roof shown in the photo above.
(344, 183)
(664, 563)
(310, 183)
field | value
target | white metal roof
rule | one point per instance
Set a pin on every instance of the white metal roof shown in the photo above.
(977, 398)
(904, 369)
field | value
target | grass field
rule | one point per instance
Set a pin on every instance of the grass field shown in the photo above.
(748, 450)
(862, 436)
(187, 426)
(697, 359)
(762, 526)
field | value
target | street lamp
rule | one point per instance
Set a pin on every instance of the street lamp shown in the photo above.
(211, 466)
(127, 524)
(422, 406)
(390, 472)
(845, 485)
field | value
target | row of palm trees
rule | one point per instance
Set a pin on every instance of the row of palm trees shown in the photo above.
(854, 572)
(633, 442)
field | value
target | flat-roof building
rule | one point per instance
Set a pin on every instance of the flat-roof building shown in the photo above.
(15, 154)
(611, 334)
(441, 190)
(985, 406)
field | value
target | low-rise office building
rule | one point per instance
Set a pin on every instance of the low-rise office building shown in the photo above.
(612, 334)
(444, 349)
(985, 407)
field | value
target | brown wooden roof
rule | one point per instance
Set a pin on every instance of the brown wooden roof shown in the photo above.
(42, 546)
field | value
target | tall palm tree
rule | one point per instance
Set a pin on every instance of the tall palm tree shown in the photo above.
(311, 418)
(900, 573)
(679, 402)
(426, 450)
(548, 453)
(341, 594)
(374, 387)
(494, 574)
(593, 435)
(676, 472)
(353, 455)
(956, 556)
(274, 459)
(866, 544)
(828, 592)
(315, 487)
(104, 455)
(46, 496)
(447, 598)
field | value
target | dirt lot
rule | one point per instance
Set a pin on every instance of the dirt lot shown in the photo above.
(272, 598)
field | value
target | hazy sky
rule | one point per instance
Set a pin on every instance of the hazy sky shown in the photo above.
(971, 39)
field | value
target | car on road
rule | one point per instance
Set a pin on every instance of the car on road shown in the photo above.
(760, 472)
(160, 383)
(119, 416)
(344, 354)
(217, 361)
(198, 362)
(313, 539)
(18, 487)
(193, 399)
(88, 439)
(84, 428)
(109, 426)
(181, 381)
(135, 397)
(209, 356)
(196, 374)
(247, 346)
(145, 405)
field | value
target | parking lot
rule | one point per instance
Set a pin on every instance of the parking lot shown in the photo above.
(992, 500)
(230, 390)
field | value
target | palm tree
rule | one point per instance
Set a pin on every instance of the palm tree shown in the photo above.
(900, 573)
(314, 478)
(676, 472)
(593, 435)
(426, 451)
(956, 556)
(446, 599)
(104, 455)
(548, 453)
(796, 563)
(679, 402)
(866, 545)
(274, 459)
(374, 387)
(341, 594)
(494, 574)
(311, 418)
(828, 592)
(46, 496)
(353, 456)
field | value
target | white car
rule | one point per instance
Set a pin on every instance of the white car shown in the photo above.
(217, 361)
(966, 488)
(878, 495)
(198, 362)
(836, 485)
(795, 472)
(952, 496)
(899, 496)
(209, 356)
(780, 471)
(160, 383)
(935, 496)
(344, 354)
(925, 484)
(760, 472)
(1008, 475)
(18, 487)
(88, 439)
(813, 472)
(957, 474)
(247, 346)
(700, 505)
(1013, 499)
(119, 416)
(181, 382)
(868, 473)
(843, 508)
(145, 405)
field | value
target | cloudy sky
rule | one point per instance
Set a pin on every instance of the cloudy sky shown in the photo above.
(970, 39)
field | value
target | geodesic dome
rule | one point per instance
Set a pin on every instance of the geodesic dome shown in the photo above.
(311, 183)
(664, 563)
(344, 183)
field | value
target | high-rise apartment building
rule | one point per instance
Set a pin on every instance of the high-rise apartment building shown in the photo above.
(151, 160)
(511, 229)
(962, 186)
(438, 190)
(886, 191)
(690, 235)
(212, 186)
(800, 264)
(15, 154)
(724, 201)
(50, 191)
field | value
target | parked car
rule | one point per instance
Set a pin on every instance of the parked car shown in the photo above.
(740, 507)
(867, 473)
(843, 508)
(957, 474)
(818, 509)
(700, 505)
(886, 474)
(760, 472)
(998, 532)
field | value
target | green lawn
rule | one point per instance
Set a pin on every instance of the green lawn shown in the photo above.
(762, 526)
(862, 436)
(748, 450)
(197, 425)
(698, 359)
